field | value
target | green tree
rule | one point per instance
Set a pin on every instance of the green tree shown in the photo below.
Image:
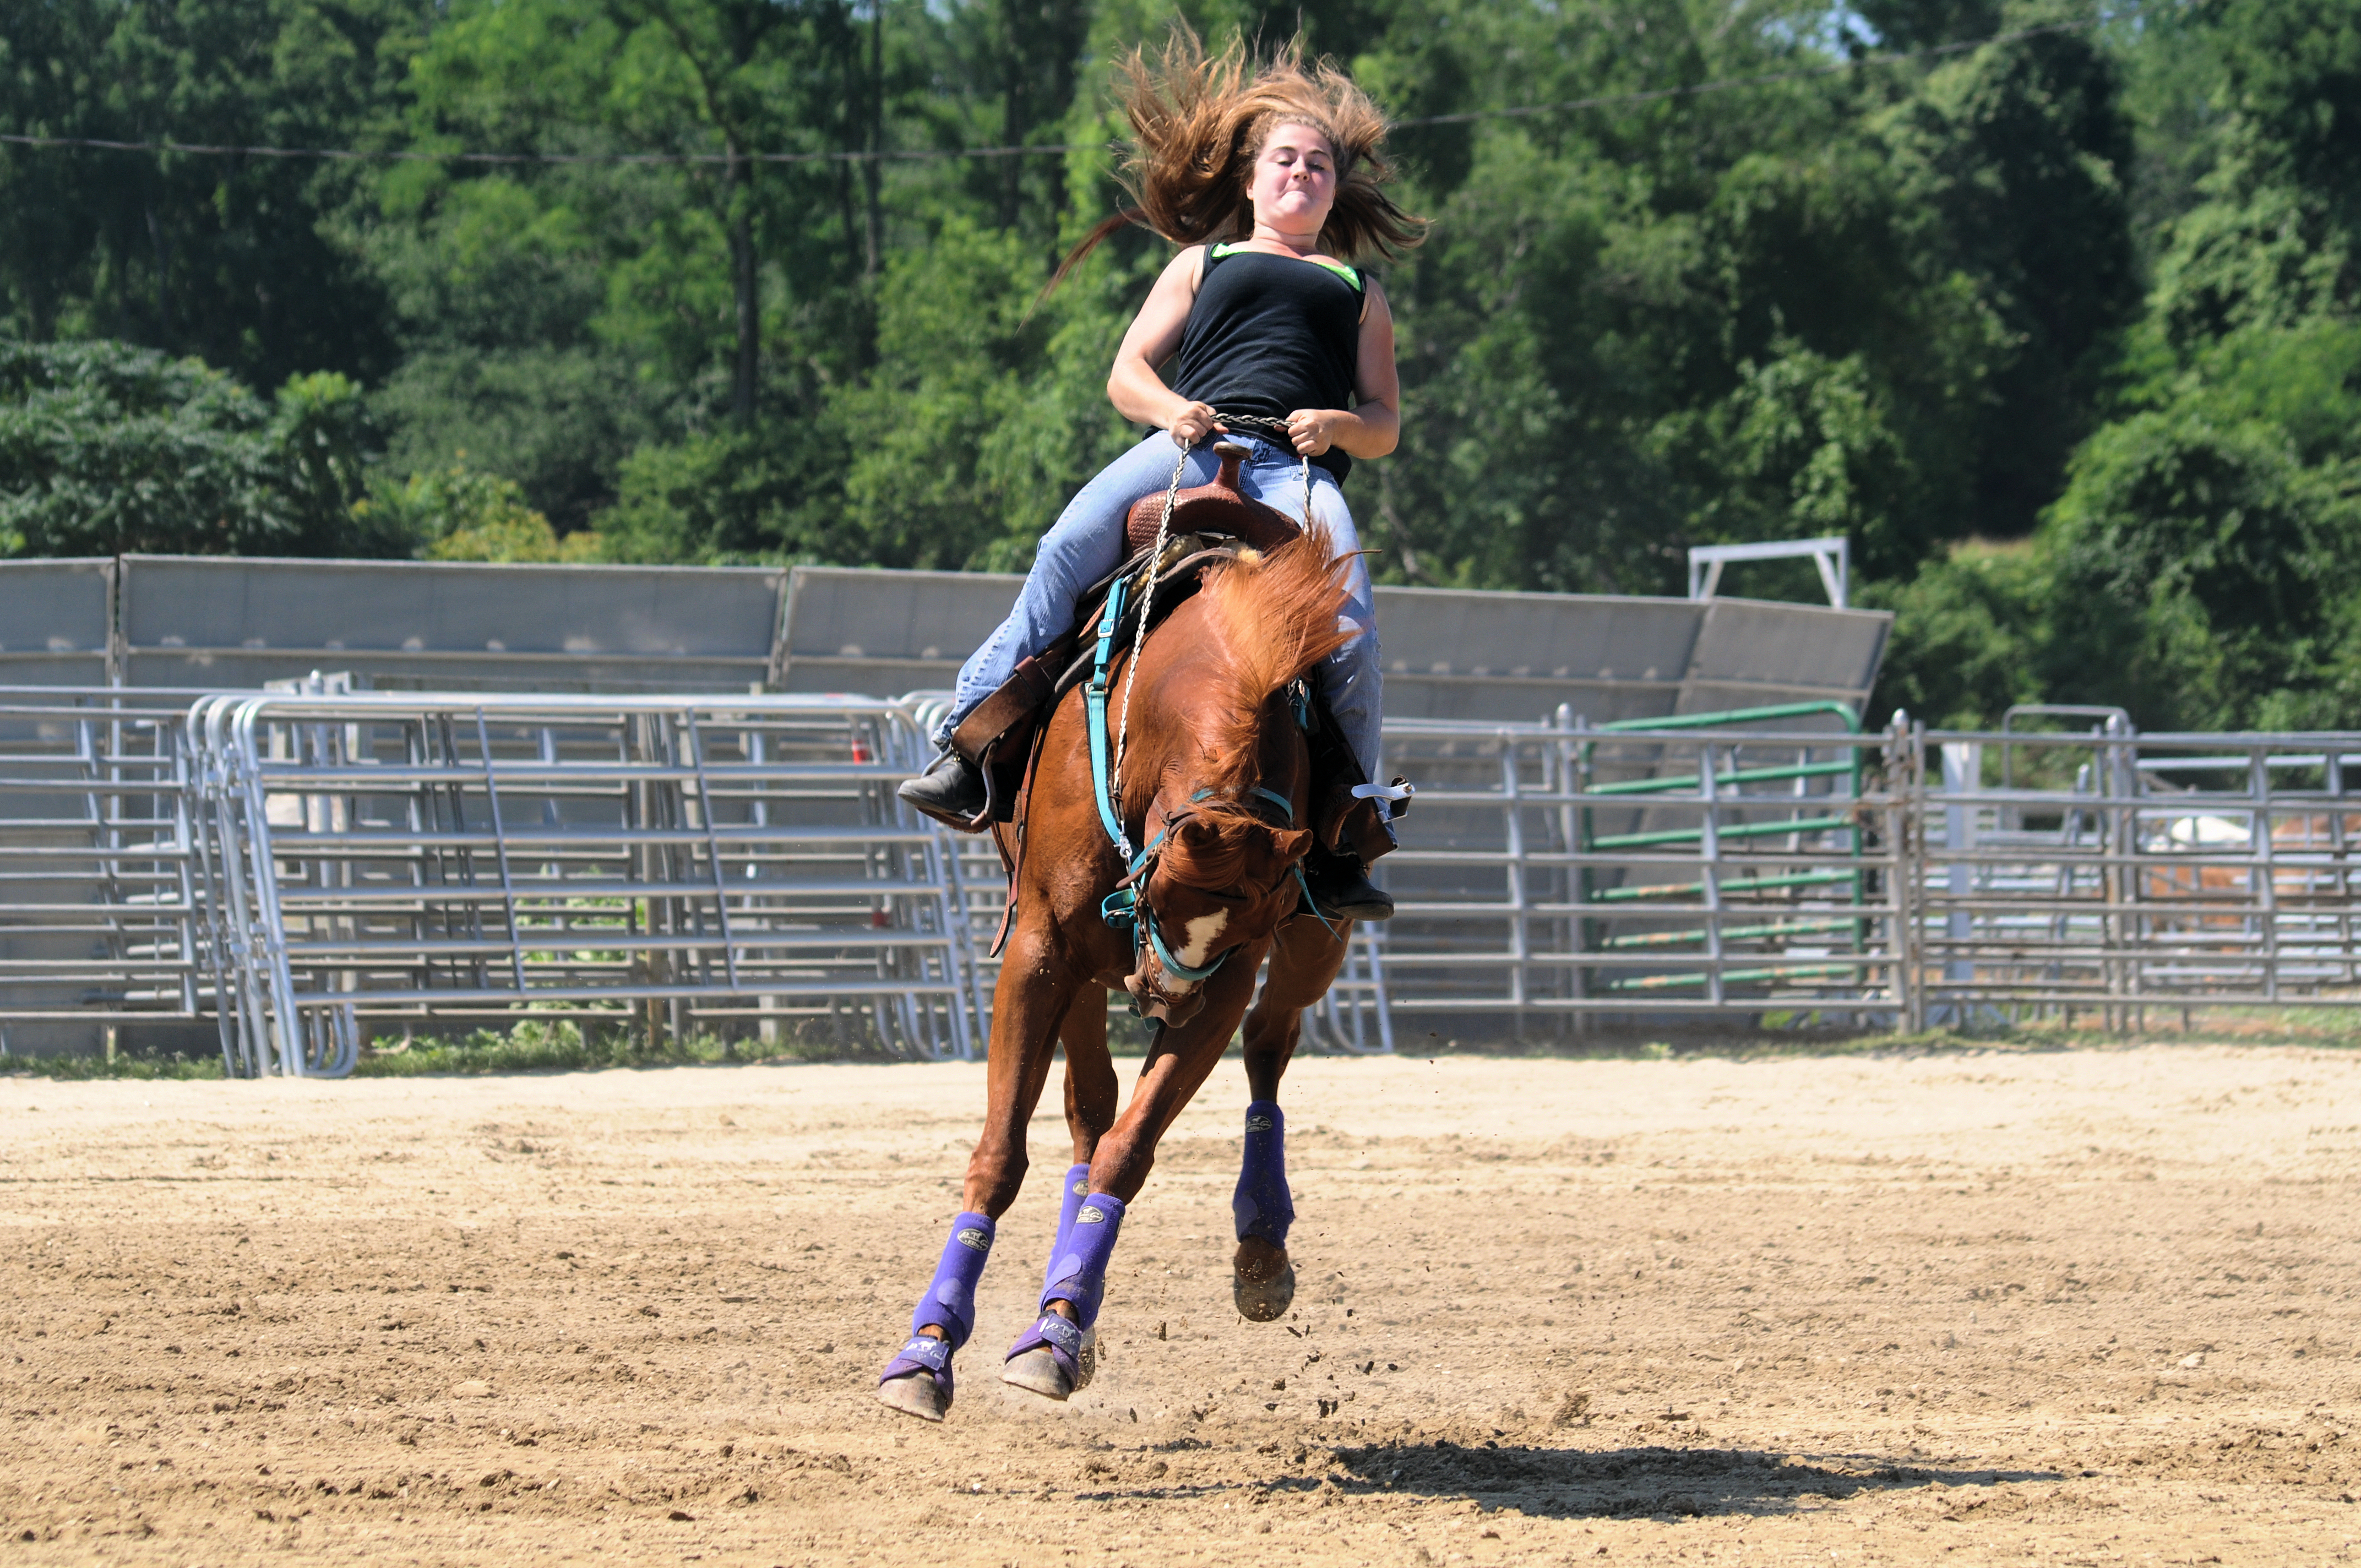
(108, 448)
(239, 260)
(460, 514)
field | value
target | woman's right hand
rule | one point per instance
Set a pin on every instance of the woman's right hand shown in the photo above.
(1193, 424)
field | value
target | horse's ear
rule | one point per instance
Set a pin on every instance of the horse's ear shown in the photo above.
(1197, 833)
(1291, 844)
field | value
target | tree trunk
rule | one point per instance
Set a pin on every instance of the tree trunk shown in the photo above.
(1012, 115)
(163, 254)
(871, 175)
(748, 369)
(851, 117)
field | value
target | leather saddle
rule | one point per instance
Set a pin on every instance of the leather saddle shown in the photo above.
(1217, 509)
(1210, 522)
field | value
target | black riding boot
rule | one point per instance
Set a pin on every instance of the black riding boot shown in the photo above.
(950, 792)
(1340, 885)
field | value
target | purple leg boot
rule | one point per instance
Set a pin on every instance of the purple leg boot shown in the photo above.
(918, 1379)
(1264, 1284)
(1055, 1358)
(1077, 1187)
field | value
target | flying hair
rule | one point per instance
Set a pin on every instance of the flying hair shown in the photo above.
(1198, 122)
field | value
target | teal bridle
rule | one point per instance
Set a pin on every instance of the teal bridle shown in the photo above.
(1122, 906)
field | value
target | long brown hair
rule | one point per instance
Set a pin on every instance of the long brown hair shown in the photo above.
(1198, 123)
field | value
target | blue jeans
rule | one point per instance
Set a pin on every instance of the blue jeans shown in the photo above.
(1086, 545)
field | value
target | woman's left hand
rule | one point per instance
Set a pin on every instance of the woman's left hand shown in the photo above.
(1313, 431)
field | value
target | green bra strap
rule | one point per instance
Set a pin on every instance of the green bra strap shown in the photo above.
(1338, 267)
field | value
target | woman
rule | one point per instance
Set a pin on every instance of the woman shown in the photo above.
(1270, 182)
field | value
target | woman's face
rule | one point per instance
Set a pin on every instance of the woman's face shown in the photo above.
(1294, 182)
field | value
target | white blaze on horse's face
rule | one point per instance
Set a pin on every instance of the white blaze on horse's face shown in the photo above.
(1200, 933)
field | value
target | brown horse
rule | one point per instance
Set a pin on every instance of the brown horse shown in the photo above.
(1216, 777)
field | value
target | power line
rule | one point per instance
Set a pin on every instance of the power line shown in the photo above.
(1731, 83)
(1040, 149)
(363, 155)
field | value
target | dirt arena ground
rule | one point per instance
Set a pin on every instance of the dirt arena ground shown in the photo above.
(2085, 1306)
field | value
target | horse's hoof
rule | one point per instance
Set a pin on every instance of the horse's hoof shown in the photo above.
(916, 1394)
(1037, 1372)
(1264, 1280)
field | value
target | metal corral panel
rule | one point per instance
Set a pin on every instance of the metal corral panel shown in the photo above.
(1752, 654)
(223, 622)
(880, 633)
(53, 622)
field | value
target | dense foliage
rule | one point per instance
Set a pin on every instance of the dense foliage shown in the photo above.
(2059, 328)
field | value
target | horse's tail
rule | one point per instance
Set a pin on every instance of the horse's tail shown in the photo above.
(1274, 617)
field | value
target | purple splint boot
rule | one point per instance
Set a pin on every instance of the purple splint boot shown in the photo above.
(1077, 1187)
(1264, 1286)
(949, 1304)
(1055, 1358)
(1262, 1204)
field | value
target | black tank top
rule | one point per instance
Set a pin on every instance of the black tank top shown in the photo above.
(1270, 335)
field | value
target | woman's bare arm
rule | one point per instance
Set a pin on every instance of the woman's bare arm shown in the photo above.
(1373, 426)
(1134, 389)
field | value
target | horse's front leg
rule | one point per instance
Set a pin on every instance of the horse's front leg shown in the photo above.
(1054, 1357)
(1092, 1096)
(1304, 961)
(1035, 992)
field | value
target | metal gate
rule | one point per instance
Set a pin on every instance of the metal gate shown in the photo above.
(99, 919)
(383, 861)
(1710, 863)
(2108, 871)
(291, 871)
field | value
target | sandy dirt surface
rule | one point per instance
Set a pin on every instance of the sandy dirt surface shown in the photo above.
(2088, 1307)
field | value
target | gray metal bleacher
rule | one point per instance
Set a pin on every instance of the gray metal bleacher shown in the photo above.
(1450, 653)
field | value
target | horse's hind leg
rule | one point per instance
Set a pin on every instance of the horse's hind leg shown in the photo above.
(1034, 994)
(1304, 960)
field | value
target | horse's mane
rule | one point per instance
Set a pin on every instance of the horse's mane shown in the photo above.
(1269, 618)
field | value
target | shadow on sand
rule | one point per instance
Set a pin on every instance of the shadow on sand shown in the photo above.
(1563, 1483)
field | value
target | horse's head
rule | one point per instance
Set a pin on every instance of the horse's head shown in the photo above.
(1216, 714)
(1222, 879)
